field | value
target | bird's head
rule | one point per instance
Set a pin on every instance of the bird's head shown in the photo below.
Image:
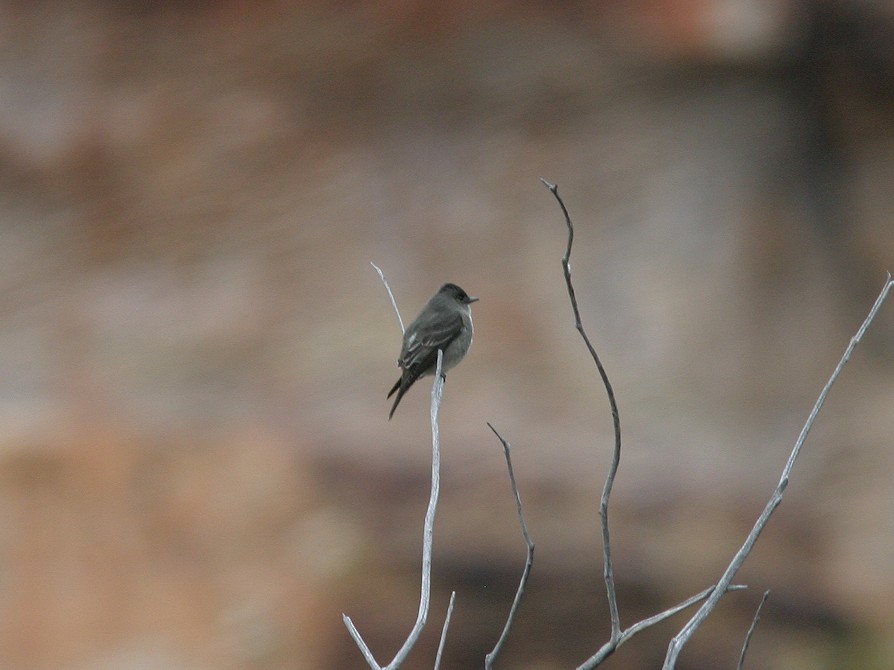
(454, 292)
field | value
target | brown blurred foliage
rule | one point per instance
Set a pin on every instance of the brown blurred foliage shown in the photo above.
(196, 470)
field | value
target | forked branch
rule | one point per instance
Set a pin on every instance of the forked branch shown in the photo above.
(618, 637)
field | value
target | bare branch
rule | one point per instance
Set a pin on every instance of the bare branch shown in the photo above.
(668, 613)
(390, 294)
(678, 641)
(617, 637)
(437, 392)
(608, 567)
(444, 631)
(358, 640)
(757, 617)
(529, 561)
(609, 647)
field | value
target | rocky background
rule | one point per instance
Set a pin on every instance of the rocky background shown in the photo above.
(196, 470)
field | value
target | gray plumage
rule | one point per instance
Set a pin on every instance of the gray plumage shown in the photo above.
(445, 323)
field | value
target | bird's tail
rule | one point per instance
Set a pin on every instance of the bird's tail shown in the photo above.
(400, 394)
(395, 387)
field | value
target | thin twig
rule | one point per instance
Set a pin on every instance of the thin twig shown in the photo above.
(608, 567)
(437, 392)
(609, 648)
(757, 617)
(390, 294)
(617, 637)
(529, 561)
(678, 641)
(361, 644)
(444, 631)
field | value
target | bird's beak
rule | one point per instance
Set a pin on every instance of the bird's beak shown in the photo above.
(471, 300)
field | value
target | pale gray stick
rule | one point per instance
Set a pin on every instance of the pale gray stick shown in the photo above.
(608, 572)
(609, 647)
(444, 631)
(529, 561)
(680, 639)
(390, 295)
(757, 617)
(358, 640)
(437, 392)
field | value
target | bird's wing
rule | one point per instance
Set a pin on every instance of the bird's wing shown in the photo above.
(421, 348)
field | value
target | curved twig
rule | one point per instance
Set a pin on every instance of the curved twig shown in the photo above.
(390, 294)
(608, 567)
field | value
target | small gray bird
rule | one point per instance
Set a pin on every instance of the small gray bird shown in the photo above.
(445, 323)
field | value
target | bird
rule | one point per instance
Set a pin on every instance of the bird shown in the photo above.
(444, 324)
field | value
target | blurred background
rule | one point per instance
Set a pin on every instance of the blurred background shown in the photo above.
(196, 467)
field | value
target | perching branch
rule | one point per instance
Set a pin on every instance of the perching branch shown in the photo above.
(437, 392)
(757, 617)
(678, 641)
(608, 568)
(529, 561)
